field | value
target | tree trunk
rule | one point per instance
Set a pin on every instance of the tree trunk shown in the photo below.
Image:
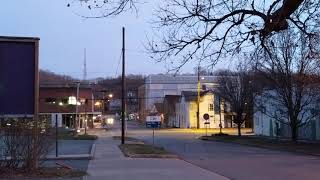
(239, 129)
(294, 133)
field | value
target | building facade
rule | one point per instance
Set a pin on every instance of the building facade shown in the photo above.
(265, 123)
(187, 107)
(156, 87)
(60, 103)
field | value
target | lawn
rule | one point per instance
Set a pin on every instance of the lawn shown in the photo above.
(131, 139)
(269, 143)
(142, 149)
(52, 173)
(67, 135)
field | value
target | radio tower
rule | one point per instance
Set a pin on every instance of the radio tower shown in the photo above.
(85, 65)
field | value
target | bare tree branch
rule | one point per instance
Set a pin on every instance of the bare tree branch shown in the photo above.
(216, 29)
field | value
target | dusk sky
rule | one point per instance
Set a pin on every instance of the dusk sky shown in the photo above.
(64, 35)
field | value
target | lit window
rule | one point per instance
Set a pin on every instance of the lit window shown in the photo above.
(72, 100)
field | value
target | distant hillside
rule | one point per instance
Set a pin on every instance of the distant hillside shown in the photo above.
(48, 77)
(107, 84)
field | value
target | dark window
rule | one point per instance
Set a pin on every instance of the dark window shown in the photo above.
(210, 107)
(50, 100)
(216, 104)
(64, 100)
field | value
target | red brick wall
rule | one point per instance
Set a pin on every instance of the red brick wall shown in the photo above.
(59, 94)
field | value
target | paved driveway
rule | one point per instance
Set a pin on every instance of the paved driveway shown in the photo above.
(232, 160)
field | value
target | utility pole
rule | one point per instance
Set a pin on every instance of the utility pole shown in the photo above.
(77, 108)
(123, 105)
(220, 124)
(198, 99)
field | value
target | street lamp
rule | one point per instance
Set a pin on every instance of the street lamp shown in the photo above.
(110, 95)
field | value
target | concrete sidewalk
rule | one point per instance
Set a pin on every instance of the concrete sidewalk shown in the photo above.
(109, 163)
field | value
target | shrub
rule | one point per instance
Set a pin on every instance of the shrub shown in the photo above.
(24, 144)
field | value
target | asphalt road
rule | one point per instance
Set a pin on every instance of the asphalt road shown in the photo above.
(231, 160)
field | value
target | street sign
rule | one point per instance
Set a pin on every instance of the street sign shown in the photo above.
(153, 124)
(206, 116)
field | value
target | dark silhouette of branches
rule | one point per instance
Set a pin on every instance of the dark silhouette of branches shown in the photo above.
(105, 8)
(236, 88)
(213, 29)
(291, 66)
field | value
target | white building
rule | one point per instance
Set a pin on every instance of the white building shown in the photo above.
(156, 87)
(186, 110)
(265, 124)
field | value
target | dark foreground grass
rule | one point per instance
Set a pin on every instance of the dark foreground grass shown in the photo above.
(131, 139)
(54, 172)
(309, 148)
(69, 136)
(132, 149)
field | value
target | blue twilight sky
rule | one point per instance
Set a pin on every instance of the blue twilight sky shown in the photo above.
(64, 35)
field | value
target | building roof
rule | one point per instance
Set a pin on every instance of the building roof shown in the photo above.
(193, 95)
(179, 79)
(15, 38)
(172, 96)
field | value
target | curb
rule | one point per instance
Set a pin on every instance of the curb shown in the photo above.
(93, 150)
(157, 156)
(74, 156)
(66, 157)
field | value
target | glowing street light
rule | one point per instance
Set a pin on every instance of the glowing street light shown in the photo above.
(110, 95)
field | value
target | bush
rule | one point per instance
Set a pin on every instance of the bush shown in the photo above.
(23, 144)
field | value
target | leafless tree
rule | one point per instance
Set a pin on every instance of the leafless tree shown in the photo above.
(235, 87)
(209, 30)
(104, 8)
(23, 146)
(291, 65)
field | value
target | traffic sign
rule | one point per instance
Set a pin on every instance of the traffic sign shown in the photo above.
(206, 116)
(153, 124)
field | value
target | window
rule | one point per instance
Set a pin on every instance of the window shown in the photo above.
(83, 101)
(217, 104)
(50, 100)
(64, 100)
(210, 107)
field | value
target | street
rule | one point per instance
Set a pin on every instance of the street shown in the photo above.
(231, 160)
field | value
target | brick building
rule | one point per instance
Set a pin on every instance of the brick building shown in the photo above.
(60, 101)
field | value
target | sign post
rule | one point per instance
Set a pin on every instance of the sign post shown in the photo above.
(153, 122)
(207, 122)
(56, 135)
